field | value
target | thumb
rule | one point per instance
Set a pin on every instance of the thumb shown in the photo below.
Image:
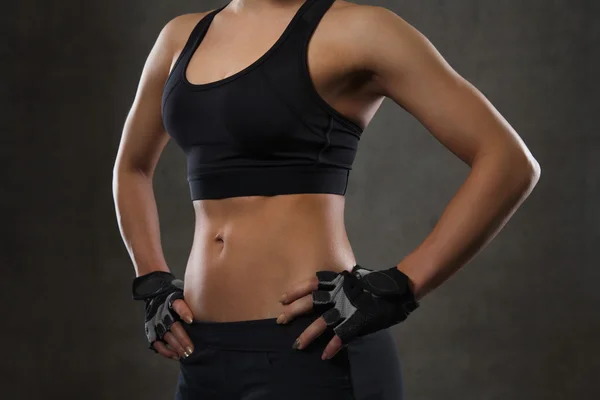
(182, 309)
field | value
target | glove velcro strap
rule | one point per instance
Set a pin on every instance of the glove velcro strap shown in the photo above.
(387, 283)
(152, 285)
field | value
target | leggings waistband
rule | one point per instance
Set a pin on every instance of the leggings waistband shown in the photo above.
(251, 335)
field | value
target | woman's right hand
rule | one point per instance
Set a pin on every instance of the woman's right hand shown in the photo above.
(176, 343)
(165, 307)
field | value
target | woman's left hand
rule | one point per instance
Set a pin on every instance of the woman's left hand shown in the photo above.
(354, 303)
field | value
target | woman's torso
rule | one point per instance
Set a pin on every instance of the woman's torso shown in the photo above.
(248, 250)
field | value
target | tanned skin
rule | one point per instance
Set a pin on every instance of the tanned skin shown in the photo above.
(255, 257)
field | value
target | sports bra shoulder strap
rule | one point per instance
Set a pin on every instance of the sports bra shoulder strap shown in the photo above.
(316, 10)
(200, 28)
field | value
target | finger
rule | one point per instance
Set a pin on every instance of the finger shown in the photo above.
(182, 309)
(312, 332)
(334, 345)
(292, 310)
(300, 289)
(182, 337)
(168, 346)
(164, 351)
(174, 344)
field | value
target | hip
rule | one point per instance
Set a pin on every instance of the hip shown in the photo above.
(254, 359)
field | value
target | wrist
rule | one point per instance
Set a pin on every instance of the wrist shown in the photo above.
(145, 271)
(415, 285)
(153, 284)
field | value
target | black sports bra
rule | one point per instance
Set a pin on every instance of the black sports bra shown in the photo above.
(262, 131)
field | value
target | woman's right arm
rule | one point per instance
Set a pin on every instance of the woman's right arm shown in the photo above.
(143, 140)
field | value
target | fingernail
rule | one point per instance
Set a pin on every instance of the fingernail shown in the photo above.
(186, 354)
(324, 356)
(283, 298)
(296, 345)
(189, 320)
(281, 319)
(189, 349)
(175, 358)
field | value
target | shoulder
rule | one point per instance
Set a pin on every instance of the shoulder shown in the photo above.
(376, 34)
(176, 31)
(369, 22)
(367, 31)
(363, 15)
(169, 43)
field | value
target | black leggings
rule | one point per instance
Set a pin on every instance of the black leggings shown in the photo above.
(254, 360)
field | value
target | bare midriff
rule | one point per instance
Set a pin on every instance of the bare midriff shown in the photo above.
(248, 250)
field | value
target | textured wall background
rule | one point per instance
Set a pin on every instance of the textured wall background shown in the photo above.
(519, 322)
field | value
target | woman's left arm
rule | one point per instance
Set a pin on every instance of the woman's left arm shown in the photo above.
(408, 69)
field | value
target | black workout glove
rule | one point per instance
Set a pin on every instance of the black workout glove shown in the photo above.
(363, 301)
(159, 289)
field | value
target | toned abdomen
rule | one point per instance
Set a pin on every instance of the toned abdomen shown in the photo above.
(248, 251)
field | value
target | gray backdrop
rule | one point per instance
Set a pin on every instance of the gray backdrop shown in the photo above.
(519, 322)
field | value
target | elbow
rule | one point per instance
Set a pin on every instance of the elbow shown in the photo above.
(531, 170)
(125, 174)
(515, 168)
(117, 172)
(535, 172)
(525, 170)
(129, 167)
